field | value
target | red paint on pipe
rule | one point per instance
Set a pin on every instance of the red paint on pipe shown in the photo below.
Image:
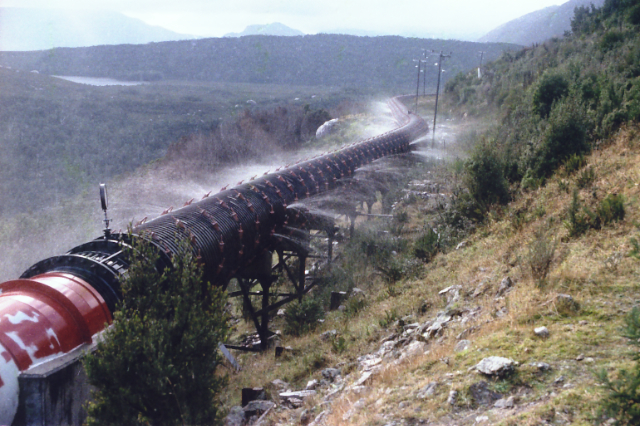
(48, 314)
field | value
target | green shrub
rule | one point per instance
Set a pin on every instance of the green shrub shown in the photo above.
(371, 245)
(531, 182)
(541, 252)
(389, 318)
(302, 316)
(586, 178)
(631, 329)
(426, 246)
(589, 89)
(635, 248)
(634, 15)
(393, 271)
(566, 135)
(580, 219)
(157, 363)
(574, 163)
(563, 186)
(611, 209)
(331, 279)
(622, 401)
(611, 39)
(339, 344)
(484, 177)
(400, 219)
(613, 120)
(552, 88)
(355, 304)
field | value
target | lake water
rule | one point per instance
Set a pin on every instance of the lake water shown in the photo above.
(96, 81)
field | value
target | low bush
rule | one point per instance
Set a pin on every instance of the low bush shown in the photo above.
(355, 304)
(393, 271)
(484, 177)
(389, 318)
(634, 15)
(622, 401)
(301, 317)
(611, 39)
(580, 219)
(574, 163)
(611, 209)
(635, 248)
(551, 88)
(339, 344)
(586, 178)
(427, 245)
(565, 136)
(541, 253)
(400, 219)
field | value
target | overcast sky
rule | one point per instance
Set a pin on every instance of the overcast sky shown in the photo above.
(214, 18)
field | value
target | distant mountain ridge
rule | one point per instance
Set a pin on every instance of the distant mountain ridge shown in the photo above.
(310, 60)
(273, 29)
(538, 26)
(23, 29)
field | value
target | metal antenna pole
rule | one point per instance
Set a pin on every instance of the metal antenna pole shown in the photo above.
(435, 115)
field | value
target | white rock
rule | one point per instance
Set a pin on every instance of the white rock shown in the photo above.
(451, 293)
(297, 394)
(495, 366)
(328, 335)
(453, 397)
(414, 348)
(365, 376)
(428, 391)
(462, 345)
(541, 332)
(279, 384)
(505, 403)
(505, 285)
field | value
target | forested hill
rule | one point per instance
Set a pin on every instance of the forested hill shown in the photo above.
(378, 64)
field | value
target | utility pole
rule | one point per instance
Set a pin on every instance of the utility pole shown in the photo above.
(435, 115)
(424, 74)
(480, 67)
(418, 87)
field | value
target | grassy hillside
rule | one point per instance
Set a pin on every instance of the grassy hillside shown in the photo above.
(537, 227)
(373, 64)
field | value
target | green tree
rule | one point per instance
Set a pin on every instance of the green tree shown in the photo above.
(157, 363)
